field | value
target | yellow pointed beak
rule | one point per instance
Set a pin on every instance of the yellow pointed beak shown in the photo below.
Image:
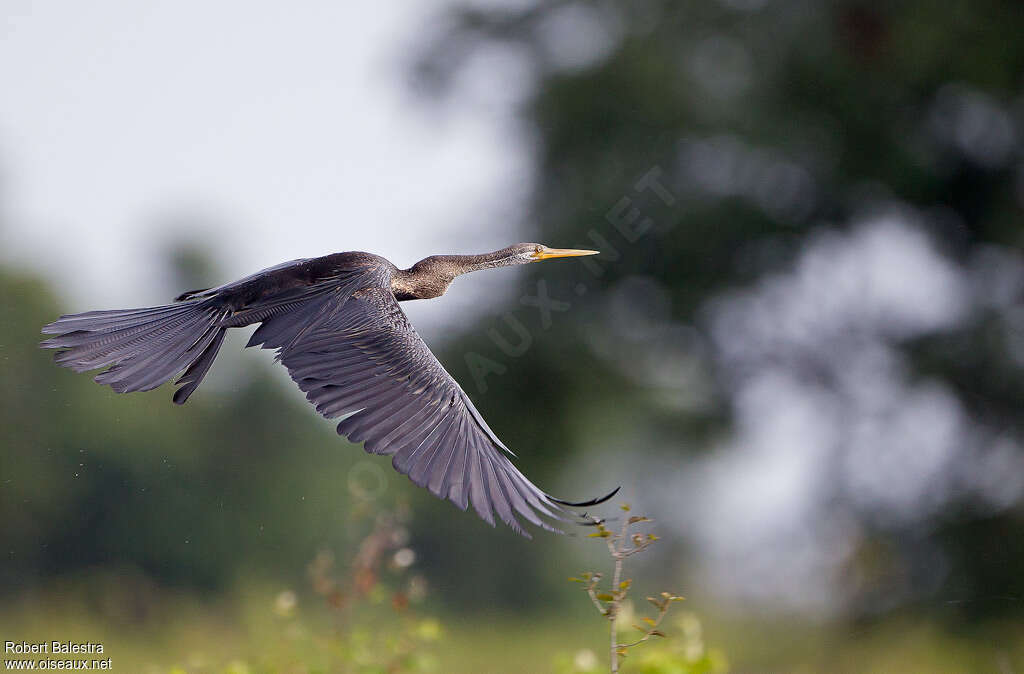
(548, 253)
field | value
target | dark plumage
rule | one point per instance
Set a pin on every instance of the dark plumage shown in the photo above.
(337, 326)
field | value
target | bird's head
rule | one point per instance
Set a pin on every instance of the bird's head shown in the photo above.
(523, 253)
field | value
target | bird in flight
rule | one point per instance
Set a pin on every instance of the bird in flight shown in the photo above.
(338, 328)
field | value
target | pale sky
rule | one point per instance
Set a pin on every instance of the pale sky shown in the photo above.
(290, 128)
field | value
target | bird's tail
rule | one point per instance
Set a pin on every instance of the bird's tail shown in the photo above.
(142, 347)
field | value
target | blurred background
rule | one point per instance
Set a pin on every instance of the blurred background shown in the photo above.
(801, 352)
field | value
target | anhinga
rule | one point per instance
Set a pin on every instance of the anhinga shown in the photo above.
(338, 328)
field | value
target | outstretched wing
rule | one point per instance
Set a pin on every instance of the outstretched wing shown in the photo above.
(355, 355)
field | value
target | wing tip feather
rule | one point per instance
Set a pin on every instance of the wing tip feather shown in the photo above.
(586, 504)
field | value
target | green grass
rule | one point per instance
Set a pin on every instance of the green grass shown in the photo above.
(148, 629)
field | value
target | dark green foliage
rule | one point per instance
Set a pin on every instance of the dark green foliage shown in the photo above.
(238, 480)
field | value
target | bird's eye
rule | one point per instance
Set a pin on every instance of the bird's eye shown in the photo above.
(538, 248)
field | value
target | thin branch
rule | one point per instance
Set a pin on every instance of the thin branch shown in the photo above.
(593, 597)
(652, 631)
(621, 545)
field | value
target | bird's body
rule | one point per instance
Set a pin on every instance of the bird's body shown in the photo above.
(337, 327)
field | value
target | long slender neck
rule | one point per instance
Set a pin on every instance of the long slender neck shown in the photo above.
(463, 264)
(431, 276)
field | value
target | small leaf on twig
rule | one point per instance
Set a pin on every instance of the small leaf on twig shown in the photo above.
(624, 585)
(655, 602)
(604, 596)
(625, 506)
(638, 518)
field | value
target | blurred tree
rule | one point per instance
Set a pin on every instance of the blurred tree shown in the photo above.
(703, 147)
(243, 482)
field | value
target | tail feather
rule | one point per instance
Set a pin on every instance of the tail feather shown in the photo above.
(101, 320)
(92, 349)
(198, 369)
(166, 354)
(160, 367)
(142, 348)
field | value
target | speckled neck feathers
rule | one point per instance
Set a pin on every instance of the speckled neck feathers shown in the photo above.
(431, 276)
